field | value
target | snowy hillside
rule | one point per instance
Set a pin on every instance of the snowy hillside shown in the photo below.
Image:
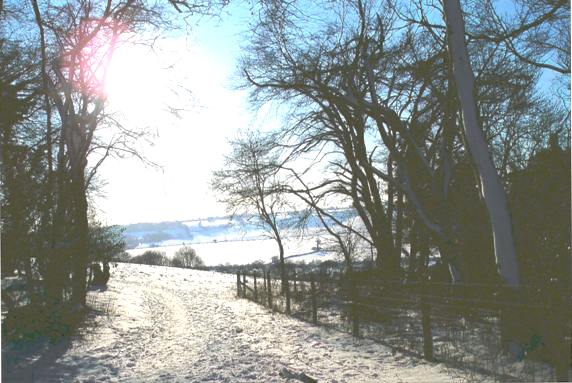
(218, 240)
(180, 325)
(247, 251)
(204, 230)
(214, 229)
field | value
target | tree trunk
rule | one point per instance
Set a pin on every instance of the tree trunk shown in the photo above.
(390, 189)
(53, 278)
(412, 269)
(490, 186)
(282, 266)
(423, 246)
(31, 285)
(398, 227)
(448, 252)
(489, 181)
(80, 258)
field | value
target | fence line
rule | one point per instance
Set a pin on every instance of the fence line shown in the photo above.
(441, 322)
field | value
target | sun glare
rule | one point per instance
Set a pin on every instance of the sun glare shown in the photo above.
(136, 84)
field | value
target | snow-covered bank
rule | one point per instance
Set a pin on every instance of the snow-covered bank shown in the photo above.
(178, 325)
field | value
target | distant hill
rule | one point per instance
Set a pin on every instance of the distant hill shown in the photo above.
(178, 232)
(204, 230)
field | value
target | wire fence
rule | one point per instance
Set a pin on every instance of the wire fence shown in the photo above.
(510, 334)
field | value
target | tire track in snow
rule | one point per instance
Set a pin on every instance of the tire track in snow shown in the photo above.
(209, 335)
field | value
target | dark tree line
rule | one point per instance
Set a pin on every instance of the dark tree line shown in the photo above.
(54, 57)
(374, 114)
(431, 122)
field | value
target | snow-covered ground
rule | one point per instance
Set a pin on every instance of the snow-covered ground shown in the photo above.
(246, 251)
(177, 325)
(219, 240)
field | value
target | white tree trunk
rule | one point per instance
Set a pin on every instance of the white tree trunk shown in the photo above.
(491, 187)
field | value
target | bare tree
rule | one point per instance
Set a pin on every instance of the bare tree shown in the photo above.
(187, 257)
(70, 45)
(536, 33)
(369, 89)
(250, 188)
(490, 185)
(342, 229)
(82, 37)
(333, 91)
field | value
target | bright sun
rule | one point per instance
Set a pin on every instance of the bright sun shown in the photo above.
(137, 84)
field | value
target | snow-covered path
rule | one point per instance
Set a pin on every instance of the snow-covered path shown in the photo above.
(176, 325)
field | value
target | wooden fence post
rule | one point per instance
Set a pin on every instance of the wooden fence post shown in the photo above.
(269, 290)
(238, 283)
(426, 324)
(264, 277)
(287, 295)
(354, 297)
(294, 271)
(314, 303)
(244, 284)
(255, 289)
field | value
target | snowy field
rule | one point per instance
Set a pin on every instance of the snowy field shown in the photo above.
(177, 325)
(242, 252)
(218, 240)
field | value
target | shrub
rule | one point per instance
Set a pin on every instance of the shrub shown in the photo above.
(151, 257)
(122, 257)
(187, 257)
(177, 262)
(104, 242)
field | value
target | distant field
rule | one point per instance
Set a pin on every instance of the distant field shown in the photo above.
(239, 252)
